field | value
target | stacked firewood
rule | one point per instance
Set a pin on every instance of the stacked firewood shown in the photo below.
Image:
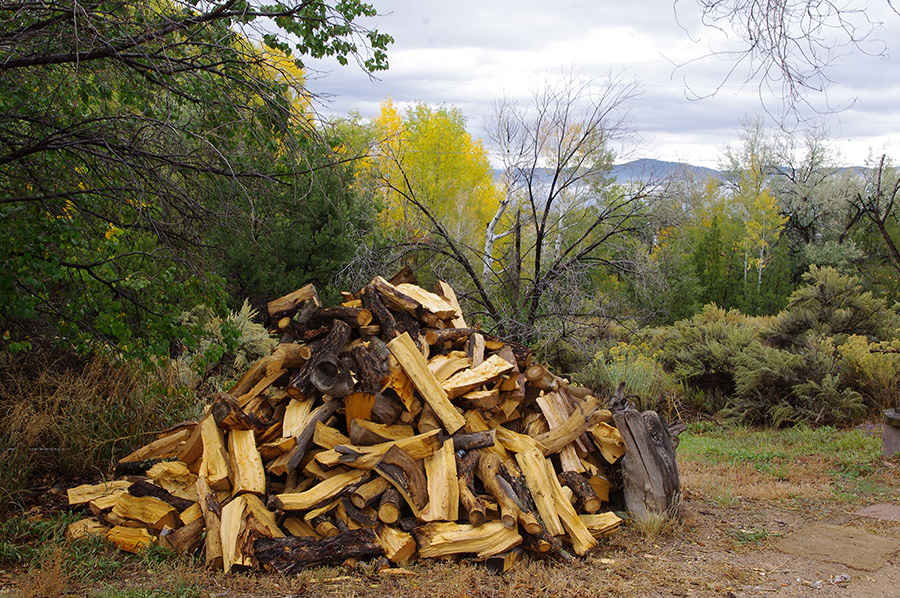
(385, 427)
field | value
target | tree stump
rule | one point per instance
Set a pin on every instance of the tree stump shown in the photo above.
(649, 466)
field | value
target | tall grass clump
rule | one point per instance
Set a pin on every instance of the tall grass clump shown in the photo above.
(647, 385)
(63, 415)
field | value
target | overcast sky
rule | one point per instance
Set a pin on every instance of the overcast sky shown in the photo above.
(464, 53)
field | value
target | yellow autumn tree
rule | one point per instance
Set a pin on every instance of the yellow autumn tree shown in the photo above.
(429, 170)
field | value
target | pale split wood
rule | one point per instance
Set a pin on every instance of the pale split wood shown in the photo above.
(365, 457)
(445, 365)
(321, 492)
(475, 423)
(85, 493)
(244, 520)
(601, 524)
(439, 539)
(447, 292)
(365, 432)
(296, 414)
(150, 511)
(443, 489)
(399, 546)
(214, 465)
(579, 535)
(248, 473)
(85, 528)
(535, 469)
(609, 441)
(162, 448)
(130, 539)
(175, 478)
(369, 491)
(192, 513)
(475, 349)
(433, 303)
(212, 517)
(327, 437)
(462, 382)
(415, 366)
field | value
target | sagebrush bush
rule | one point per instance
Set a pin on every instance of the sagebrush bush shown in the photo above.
(778, 387)
(223, 348)
(832, 304)
(873, 369)
(702, 352)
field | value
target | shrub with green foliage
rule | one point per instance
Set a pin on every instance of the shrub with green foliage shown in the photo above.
(832, 304)
(873, 369)
(774, 386)
(703, 351)
(818, 361)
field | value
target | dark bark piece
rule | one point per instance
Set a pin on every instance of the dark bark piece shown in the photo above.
(352, 316)
(124, 468)
(409, 324)
(356, 515)
(371, 368)
(386, 410)
(332, 376)
(467, 441)
(144, 488)
(327, 349)
(293, 554)
(396, 299)
(587, 498)
(470, 501)
(406, 475)
(227, 412)
(405, 275)
(371, 300)
(428, 420)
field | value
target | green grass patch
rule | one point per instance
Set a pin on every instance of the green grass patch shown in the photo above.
(852, 450)
(33, 542)
(754, 536)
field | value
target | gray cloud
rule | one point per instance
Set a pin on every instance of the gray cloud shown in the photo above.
(465, 53)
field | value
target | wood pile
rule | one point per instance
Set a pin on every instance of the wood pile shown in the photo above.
(385, 427)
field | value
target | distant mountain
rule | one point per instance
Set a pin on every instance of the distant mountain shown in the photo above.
(645, 169)
(648, 169)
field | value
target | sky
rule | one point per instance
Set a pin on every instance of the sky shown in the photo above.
(466, 53)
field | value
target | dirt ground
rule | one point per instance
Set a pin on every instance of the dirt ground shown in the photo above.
(741, 551)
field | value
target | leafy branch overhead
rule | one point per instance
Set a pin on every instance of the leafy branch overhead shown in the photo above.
(131, 130)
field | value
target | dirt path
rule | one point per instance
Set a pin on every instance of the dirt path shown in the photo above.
(743, 552)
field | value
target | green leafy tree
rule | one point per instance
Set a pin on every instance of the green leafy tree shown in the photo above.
(130, 130)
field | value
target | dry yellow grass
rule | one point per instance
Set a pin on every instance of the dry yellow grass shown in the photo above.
(723, 484)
